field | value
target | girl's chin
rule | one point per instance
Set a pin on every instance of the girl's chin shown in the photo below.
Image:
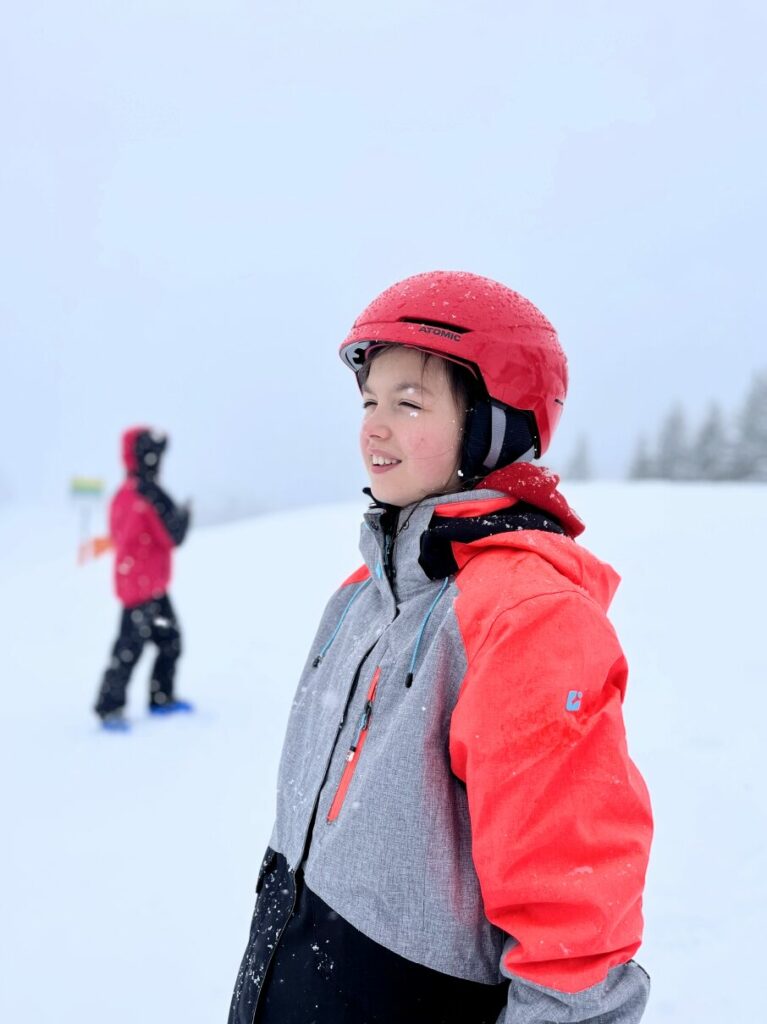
(398, 496)
(386, 491)
(389, 492)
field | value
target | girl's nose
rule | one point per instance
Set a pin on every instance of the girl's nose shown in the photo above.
(375, 425)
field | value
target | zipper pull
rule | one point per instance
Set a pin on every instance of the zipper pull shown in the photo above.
(362, 725)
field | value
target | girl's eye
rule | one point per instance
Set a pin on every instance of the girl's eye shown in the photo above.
(367, 403)
(410, 405)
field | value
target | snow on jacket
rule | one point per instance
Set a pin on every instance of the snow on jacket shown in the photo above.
(145, 525)
(455, 781)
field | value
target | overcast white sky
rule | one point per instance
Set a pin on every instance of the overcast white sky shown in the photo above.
(196, 199)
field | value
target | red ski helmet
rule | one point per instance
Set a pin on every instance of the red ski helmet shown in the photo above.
(496, 332)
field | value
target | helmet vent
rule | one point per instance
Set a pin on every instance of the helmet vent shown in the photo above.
(453, 328)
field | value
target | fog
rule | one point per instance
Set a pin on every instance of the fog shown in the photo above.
(197, 200)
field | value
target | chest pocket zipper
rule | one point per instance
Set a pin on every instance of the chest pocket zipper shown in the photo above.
(355, 750)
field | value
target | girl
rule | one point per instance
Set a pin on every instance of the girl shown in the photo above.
(461, 837)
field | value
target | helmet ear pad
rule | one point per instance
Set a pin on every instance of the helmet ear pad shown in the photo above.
(495, 435)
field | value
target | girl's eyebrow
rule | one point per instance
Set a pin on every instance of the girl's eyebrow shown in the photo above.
(404, 386)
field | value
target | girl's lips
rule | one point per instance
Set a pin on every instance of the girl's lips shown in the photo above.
(382, 469)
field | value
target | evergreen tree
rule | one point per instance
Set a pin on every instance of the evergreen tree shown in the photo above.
(673, 460)
(752, 432)
(712, 456)
(642, 465)
(579, 466)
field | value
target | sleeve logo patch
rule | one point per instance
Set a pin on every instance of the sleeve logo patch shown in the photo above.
(574, 699)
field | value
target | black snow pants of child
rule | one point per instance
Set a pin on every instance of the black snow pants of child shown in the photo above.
(304, 964)
(153, 621)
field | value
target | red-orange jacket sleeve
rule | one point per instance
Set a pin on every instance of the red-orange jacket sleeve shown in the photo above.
(560, 816)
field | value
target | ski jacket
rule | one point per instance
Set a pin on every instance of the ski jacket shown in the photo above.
(455, 781)
(145, 525)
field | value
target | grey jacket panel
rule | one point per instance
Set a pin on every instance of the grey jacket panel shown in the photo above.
(317, 711)
(620, 999)
(397, 862)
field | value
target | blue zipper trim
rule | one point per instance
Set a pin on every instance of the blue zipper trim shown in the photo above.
(421, 631)
(328, 645)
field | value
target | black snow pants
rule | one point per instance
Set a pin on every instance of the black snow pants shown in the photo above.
(304, 964)
(153, 621)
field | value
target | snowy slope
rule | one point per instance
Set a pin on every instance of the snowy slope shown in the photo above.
(129, 862)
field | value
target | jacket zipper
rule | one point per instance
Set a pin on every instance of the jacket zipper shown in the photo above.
(355, 750)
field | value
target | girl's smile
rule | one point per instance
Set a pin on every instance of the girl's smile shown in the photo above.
(381, 463)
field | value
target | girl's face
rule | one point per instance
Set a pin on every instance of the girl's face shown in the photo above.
(412, 427)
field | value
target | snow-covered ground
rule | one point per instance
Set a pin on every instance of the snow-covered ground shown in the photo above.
(128, 861)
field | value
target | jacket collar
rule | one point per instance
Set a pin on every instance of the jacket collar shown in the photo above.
(391, 537)
(537, 486)
(408, 548)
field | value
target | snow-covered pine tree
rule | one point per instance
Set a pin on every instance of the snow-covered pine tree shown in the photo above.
(642, 465)
(752, 432)
(712, 454)
(673, 459)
